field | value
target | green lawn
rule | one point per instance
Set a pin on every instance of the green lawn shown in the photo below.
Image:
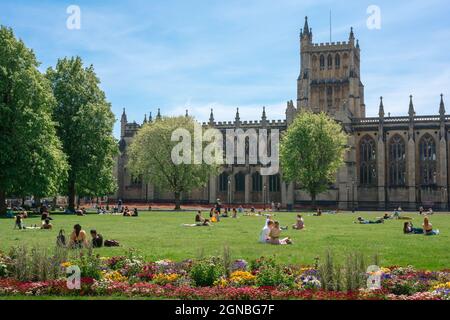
(159, 235)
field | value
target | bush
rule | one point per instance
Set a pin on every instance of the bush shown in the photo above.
(89, 264)
(204, 273)
(36, 264)
(273, 276)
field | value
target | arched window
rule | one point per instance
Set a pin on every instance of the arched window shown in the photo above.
(337, 61)
(397, 161)
(322, 62)
(274, 183)
(239, 182)
(428, 159)
(329, 96)
(368, 161)
(223, 182)
(330, 61)
(256, 182)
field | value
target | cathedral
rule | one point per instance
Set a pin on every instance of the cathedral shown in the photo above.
(391, 161)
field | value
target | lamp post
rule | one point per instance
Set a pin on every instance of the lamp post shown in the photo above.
(348, 197)
(229, 191)
(353, 195)
(264, 196)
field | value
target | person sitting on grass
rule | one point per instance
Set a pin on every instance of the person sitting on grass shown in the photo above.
(19, 222)
(80, 212)
(421, 210)
(234, 215)
(300, 225)
(135, 212)
(428, 228)
(78, 238)
(199, 220)
(47, 225)
(264, 235)
(45, 214)
(127, 212)
(97, 239)
(430, 212)
(408, 228)
(360, 220)
(274, 235)
(318, 213)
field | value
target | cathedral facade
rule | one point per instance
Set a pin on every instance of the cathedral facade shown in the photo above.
(391, 161)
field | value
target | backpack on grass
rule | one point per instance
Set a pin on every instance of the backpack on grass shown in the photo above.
(61, 239)
(111, 243)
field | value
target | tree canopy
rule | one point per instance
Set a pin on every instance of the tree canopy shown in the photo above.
(85, 126)
(150, 156)
(31, 157)
(312, 151)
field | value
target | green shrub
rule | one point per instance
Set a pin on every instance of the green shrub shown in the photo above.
(271, 276)
(205, 272)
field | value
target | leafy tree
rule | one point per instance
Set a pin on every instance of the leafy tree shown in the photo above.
(31, 157)
(150, 156)
(311, 152)
(85, 125)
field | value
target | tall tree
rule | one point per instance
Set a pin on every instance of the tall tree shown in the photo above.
(311, 152)
(85, 127)
(150, 157)
(31, 157)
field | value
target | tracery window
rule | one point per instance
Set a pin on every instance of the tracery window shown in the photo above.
(397, 162)
(368, 161)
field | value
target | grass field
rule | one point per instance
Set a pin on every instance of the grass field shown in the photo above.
(159, 235)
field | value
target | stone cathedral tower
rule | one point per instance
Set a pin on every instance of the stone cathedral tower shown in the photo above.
(329, 78)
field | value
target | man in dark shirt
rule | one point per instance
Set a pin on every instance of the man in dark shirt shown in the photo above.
(97, 239)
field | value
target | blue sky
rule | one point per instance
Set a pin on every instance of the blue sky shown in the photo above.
(178, 55)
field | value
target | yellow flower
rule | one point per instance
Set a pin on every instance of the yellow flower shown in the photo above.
(66, 264)
(442, 286)
(242, 277)
(162, 278)
(114, 276)
(222, 282)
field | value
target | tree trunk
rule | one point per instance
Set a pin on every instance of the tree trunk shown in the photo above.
(313, 201)
(3, 207)
(177, 201)
(71, 189)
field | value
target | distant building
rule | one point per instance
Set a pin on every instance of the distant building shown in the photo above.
(392, 161)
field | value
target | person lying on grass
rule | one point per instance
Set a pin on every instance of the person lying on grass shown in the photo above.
(408, 228)
(428, 228)
(274, 235)
(300, 225)
(360, 220)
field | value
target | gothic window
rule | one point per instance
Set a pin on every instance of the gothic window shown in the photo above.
(256, 182)
(136, 180)
(428, 160)
(223, 182)
(397, 162)
(322, 62)
(274, 183)
(330, 61)
(240, 182)
(329, 96)
(368, 162)
(337, 61)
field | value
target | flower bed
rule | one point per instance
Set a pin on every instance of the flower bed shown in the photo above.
(131, 276)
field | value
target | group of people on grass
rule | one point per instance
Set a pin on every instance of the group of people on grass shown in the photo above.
(408, 228)
(78, 238)
(271, 233)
